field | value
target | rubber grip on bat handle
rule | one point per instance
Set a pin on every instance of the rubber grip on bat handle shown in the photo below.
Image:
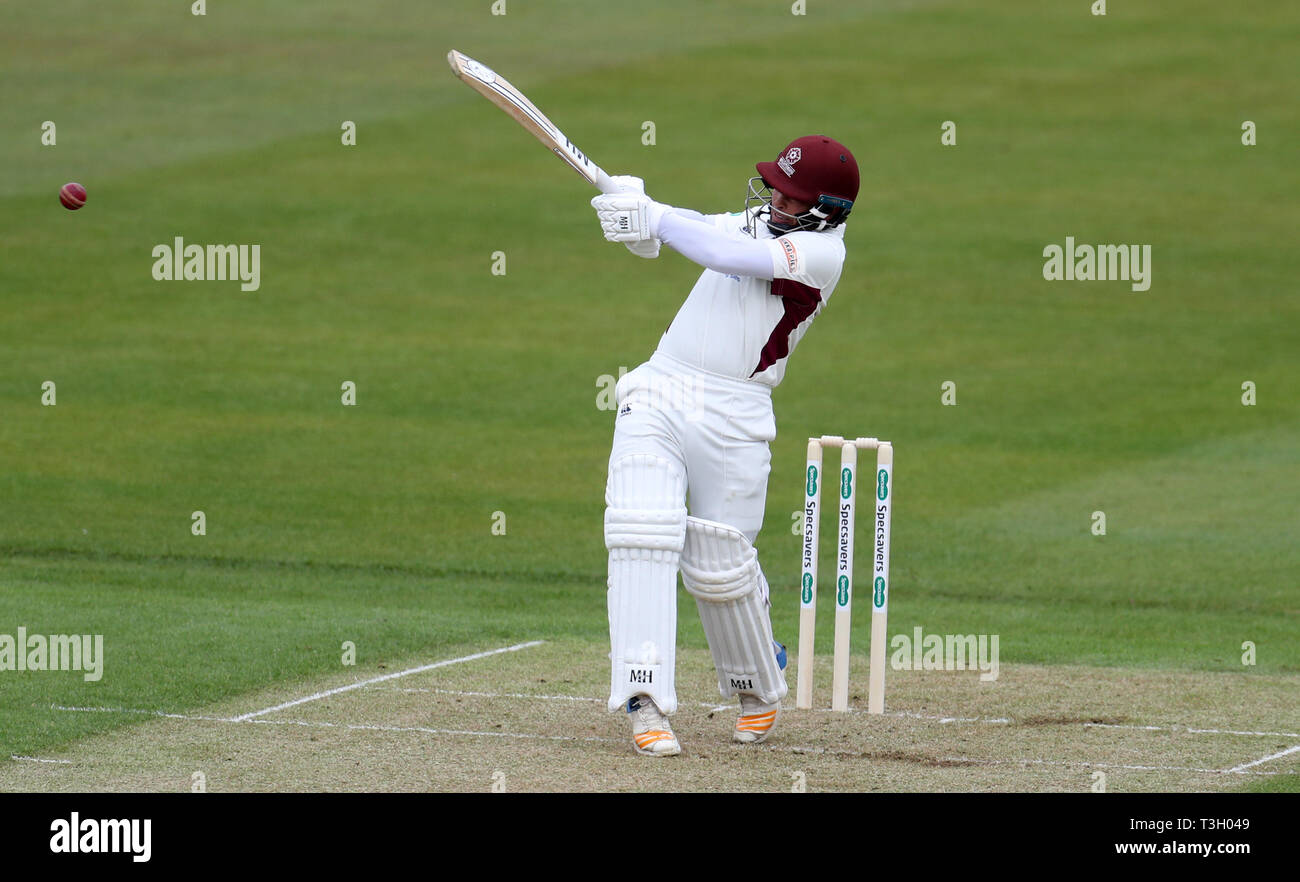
(604, 183)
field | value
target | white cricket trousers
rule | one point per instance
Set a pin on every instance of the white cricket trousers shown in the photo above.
(716, 429)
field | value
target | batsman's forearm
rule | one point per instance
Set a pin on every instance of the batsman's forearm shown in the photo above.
(705, 244)
(691, 214)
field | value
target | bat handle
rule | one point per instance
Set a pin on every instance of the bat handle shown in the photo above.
(604, 183)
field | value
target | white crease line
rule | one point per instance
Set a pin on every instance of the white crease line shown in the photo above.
(984, 762)
(132, 710)
(711, 706)
(909, 715)
(1089, 764)
(1190, 731)
(916, 716)
(36, 759)
(422, 668)
(1001, 720)
(1278, 755)
(491, 694)
(424, 729)
(706, 704)
(323, 724)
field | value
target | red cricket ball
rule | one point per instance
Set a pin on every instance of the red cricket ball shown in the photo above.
(73, 196)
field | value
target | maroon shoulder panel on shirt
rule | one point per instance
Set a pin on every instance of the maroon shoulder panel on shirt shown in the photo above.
(800, 302)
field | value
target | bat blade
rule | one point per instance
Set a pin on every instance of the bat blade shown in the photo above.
(500, 92)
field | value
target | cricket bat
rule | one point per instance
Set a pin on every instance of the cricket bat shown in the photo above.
(500, 92)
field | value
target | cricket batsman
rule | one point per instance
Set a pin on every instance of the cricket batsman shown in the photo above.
(688, 470)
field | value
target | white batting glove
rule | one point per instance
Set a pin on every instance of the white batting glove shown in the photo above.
(628, 217)
(628, 184)
(647, 248)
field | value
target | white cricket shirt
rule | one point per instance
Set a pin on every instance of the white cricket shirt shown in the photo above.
(745, 327)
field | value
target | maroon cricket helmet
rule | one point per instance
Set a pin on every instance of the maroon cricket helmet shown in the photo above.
(818, 170)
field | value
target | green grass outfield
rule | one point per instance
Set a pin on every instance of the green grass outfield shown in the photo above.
(477, 393)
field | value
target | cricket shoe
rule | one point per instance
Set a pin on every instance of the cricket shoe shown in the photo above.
(652, 734)
(757, 717)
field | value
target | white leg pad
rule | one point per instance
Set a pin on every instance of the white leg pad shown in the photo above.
(645, 526)
(720, 569)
